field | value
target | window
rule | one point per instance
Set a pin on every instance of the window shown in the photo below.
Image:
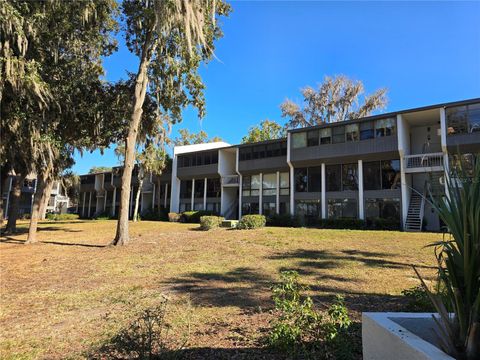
(250, 208)
(342, 208)
(338, 134)
(199, 159)
(246, 185)
(314, 179)
(382, 208)
(308, 210)
(349, 177)
(285, 183)
(245, 153)
(301, 180)
(185, 189)
(214, 207)
(207, 159)
(255, 185)
(385, 127)
(326, 136)
(463, 119)
(199, 187)
(308, 179)
(283, 148)
(312, 138)
(198, 206)
(366, 130)
(213, 188)
(269, 209)
(269, 184)
(390, 174)
(299, 140)
(371, 175)
(334, 177)
(352, 133)
(464, 163)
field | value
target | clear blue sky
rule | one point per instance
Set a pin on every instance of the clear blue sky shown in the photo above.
(423, 52)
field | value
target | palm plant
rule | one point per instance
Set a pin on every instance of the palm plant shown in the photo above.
(458, 257)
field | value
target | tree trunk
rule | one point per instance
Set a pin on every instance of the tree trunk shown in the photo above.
(15, 203)
(137, 199)
(122, 238)
(44, 204)
(39, 197)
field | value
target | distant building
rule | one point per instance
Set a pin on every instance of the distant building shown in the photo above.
(374, 167)
(58, 202)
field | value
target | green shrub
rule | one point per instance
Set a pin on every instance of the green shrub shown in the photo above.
(352, 224)
(383, 224)
(209, 222)
(193, 217)
(284, 221)
(251, 222)
(299, 328)
(102, 216)
(59, 217)
(174, 217)
(151, 215)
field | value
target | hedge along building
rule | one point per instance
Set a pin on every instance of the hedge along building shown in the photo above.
(376, 167)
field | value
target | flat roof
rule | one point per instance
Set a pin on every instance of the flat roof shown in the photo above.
(389, 114)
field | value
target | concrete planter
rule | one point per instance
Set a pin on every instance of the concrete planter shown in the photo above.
(400, 336)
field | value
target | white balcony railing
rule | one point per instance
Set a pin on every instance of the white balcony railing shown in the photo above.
(419, 161)
(230, 180)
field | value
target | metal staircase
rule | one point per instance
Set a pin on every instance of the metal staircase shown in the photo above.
(416, 210)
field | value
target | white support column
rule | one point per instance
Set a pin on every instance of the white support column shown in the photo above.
(83, 205)
(361, 203)
(8, 197)
(105, 193)
(114, 200)
(324, 193)
(153, 196)
(166, 195)
(193, 194)
(443, 140)
(292, 190)
(260, 197)
(240, 196)
(89, 203)
(205, 195)
(277, 205)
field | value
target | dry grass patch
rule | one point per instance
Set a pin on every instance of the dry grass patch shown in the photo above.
(67, 294)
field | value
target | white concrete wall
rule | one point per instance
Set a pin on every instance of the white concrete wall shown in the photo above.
(403, 133)
(383, 339)
(227, 165)
(177, 150)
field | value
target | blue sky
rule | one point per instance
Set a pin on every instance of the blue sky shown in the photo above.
(422, 52)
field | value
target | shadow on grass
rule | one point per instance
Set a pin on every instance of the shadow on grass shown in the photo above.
(11, 240)
(323, 259)
(239, 287)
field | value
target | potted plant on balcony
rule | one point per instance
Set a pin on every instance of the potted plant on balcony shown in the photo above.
(458, 257)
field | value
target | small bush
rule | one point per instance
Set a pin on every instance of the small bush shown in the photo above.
(150, 215)
(210, 222)
(300, 328)
(174, 217)
(284, 221)
(193, 217)
(418, 300)
(102, 216)
(60, 217)
(251, 222)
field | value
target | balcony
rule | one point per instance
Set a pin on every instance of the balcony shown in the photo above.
(423, 162)
(230, 180)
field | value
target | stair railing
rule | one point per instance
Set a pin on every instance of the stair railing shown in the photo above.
(422, 205)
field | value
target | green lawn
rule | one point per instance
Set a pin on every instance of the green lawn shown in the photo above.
(69, 294)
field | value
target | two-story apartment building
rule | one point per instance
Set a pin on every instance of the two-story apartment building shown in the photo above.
(59, 202)
(375, 167)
